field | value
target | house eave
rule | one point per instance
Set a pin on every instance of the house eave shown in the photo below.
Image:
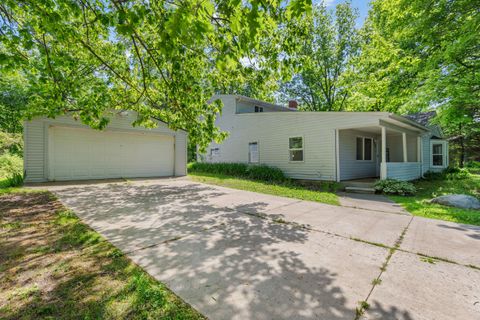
(408, 122)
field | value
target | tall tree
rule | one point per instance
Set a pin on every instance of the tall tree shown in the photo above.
(422, 54)
(163, 59)
(12, 102)
(323, 54)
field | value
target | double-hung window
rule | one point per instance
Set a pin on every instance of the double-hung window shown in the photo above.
(438, 154)
(364, 148)
(295, 149)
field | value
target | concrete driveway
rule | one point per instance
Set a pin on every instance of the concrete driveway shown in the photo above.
(240, 255)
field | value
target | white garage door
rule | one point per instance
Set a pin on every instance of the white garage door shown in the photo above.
(76, 154)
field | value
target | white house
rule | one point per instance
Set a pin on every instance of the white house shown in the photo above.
(64, 149)
(334, 146)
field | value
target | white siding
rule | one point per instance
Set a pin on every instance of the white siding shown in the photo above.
(35, 151)
(350, 167)
(403, 170)
(181, 141)
(272, 130)
(36, 138)
(427, 154)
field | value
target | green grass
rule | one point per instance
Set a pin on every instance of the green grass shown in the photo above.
(427, 189)
(284, 189)
(55, 267)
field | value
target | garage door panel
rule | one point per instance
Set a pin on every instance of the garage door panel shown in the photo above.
(89, 154)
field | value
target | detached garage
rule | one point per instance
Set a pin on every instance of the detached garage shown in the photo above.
(63, 149)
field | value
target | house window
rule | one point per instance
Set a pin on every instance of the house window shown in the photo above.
(437, 154)
(214, 152)
(253, 152)
(295, 146)
(364, 148)
(258, 109)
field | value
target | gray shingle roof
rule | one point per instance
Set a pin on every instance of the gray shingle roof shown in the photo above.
(423, 118)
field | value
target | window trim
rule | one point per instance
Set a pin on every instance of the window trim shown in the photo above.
(258, 109)
(215, 148)
(258, 152)
(363, 149)
(444, 153)
(296, 149)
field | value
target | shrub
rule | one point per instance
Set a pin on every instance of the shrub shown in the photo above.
(392, 186)
(230, 169)
(265, 173)
(10, 164)
(473, 167)
(240, 170)
(450, 173)
(11, 143)
(16, 180)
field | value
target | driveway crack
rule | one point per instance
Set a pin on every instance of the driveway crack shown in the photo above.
(363, 305)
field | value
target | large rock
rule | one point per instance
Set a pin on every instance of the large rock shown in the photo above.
(458, 200)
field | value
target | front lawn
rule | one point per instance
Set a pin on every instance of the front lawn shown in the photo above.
(52, 266)
(427, 189)
(283, 189)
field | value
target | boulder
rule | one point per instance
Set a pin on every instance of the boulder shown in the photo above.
(458, 200)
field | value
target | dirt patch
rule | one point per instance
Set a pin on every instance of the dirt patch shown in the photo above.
(54, 266)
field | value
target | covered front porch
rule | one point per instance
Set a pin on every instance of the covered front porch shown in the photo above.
(380, 151)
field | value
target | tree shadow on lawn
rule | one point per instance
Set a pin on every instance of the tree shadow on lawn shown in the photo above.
(54, 266)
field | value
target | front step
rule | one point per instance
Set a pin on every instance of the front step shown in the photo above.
(360, 190)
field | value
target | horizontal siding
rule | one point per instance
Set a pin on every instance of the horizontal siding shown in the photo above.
(34, 152)
(350, 167)
(180, 154)
(117, 122)
(271, 130)
(403, 170)
(36, 137)
(427, 155)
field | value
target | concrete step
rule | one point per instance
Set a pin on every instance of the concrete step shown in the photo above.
(358, 184)
(360, 190)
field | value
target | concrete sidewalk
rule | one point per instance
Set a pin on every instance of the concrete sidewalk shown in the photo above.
(241, 255)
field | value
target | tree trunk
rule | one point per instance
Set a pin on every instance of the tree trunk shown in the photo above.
(462, 152)
(462, 148)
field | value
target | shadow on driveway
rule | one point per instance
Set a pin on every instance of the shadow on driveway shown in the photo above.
(227, 264)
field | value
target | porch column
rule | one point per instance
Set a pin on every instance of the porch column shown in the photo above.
(383, 164)
(419, 149)
(404, 143)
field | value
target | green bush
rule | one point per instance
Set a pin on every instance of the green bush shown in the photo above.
(16, 180)
(10, 164)
(450, 173)
(473, 167)
(392, 186)
(239, 170)
(11, 143)
(265, 173)
(230, 169)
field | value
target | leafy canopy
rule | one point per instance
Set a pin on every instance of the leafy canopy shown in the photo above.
(418, 54)
(163, 59)
(325, 45)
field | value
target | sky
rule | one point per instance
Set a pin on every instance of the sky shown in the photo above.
(361, 5)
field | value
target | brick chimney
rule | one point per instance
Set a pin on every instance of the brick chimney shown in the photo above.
(293, 104)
